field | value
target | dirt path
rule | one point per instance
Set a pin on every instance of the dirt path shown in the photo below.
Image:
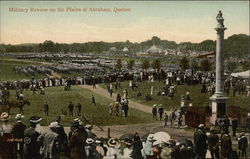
(103, 92)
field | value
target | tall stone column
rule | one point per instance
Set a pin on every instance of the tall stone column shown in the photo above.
(218, 99)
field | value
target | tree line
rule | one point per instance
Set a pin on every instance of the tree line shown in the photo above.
(234, 46)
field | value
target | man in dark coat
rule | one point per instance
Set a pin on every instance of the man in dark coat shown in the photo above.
(226, 146)
(77, 142)
(200, 142)
(213, 144)
(154, 112)
(31, 145)
(63, 141)
(78, 109)
(234, 126)
(125, 107)
(136, 147)
(46, 109)
(18, 134)
(242, 145)
(161, 111)
(71, 108)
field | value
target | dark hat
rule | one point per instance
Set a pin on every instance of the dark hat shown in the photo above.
(35, 119)
(58, 118)
(74, 124)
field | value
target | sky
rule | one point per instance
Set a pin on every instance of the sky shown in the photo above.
(179, 21)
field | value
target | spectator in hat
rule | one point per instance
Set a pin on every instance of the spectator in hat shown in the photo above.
(200, 142)
(175, 150)
(148, 146)
(76, 142)
(31, 145)
(50, 142)
(242, 145)
(18, 134)
(113, 149)
(63, 141)
(99, 148)
(88, 129)
(213, 143)
(226, 146)
(127, 152)
(90, 149)
(137, 147)
(154, 112)
(6, 146)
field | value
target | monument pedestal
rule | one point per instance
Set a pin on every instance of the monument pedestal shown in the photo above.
(219, 107)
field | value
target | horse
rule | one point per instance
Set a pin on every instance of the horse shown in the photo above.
(115, 108)
(17, 104)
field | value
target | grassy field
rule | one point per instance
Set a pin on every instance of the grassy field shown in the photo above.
(7, 72)
(197, 98)
(59, 99)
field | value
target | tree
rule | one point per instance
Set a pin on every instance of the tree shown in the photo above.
(118, 64)
(245, 65)
(205, 65)
(156, 64)
(48, 46)
(195, 65)
(145, 64)
(184, 63)
(231, 66)
(131, 64)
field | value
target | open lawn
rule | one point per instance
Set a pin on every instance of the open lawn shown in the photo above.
(8, 73)
(197, 98)
(58, 99)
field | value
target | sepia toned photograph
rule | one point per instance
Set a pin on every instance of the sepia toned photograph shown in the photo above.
(124, 80)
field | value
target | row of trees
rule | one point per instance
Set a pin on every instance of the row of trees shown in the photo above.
(235, 46)
(203, 65)
(145, 64)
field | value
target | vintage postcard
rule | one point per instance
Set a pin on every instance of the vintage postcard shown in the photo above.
(124, 79)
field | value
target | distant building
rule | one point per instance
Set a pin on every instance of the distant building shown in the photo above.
(113, 49)
(155, 50)
(125, 49)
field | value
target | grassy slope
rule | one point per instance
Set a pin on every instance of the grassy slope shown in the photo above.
(198, 99)
(7, 72)
(59, 99)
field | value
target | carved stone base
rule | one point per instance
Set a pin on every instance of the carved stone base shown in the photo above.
(219, 108)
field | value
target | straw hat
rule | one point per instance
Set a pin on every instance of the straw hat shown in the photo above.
(88, 126)
(151, 137)
(54, 125)
(154, 105)
(89, 141)
(112, 142)
(201, 126)
(35, 119)
(4, 116)
(19, 117)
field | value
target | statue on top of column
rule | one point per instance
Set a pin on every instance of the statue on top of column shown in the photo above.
(220, 20)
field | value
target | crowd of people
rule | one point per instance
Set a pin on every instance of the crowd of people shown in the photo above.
(30, 142)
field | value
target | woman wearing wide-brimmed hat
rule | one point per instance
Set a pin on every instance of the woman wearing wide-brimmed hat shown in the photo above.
(113, 149)
(6, 144)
